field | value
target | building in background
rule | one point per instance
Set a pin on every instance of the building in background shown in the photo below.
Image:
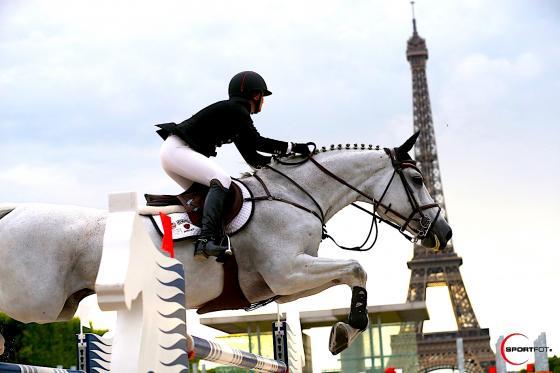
(371, 352)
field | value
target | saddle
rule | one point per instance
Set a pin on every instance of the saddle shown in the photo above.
(192, 200)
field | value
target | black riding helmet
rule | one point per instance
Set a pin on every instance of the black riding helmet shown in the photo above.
(245, 83)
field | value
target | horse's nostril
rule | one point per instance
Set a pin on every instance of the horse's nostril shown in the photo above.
(449, 234)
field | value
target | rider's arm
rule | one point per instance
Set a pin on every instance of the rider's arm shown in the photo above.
(271, 146)
(249, 141)
(247, 145)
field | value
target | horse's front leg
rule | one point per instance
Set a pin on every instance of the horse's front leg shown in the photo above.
(1, 344)
(343, 334)
(358, 317)
(309, 275)
(307, 293)
(303, 272)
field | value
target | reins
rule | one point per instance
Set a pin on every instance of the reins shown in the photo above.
(270, 197)
(424, 221)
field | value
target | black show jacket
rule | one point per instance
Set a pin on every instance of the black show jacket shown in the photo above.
(221, 123)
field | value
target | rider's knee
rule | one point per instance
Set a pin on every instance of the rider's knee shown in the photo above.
(225, 180)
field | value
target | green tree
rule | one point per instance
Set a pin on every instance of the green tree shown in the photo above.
(50, 345)
(47, 345)
(554, 364)
(12, 331)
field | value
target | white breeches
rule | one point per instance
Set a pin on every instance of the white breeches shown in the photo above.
(185, 165)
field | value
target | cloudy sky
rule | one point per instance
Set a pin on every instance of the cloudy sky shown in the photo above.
(82, 84)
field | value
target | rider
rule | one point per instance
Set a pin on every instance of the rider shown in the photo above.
(188, 145)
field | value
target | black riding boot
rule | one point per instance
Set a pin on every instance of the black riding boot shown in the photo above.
(211, 235)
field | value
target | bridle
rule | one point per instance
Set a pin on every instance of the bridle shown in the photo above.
(425, 223)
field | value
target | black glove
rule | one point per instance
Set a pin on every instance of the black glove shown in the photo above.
(302, 149)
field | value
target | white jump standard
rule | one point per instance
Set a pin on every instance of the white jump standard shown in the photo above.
(147, 289)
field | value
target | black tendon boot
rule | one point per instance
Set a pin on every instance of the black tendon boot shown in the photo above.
(211, 235)
(358, 317)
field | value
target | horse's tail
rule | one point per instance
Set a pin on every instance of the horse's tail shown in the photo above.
(5, 209)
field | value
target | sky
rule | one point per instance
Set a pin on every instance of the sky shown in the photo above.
(82, 84)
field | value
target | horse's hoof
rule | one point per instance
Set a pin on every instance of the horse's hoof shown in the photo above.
(339, 338)
(342, 336)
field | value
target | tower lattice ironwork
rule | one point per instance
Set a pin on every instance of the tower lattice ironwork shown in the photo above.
(430, 268)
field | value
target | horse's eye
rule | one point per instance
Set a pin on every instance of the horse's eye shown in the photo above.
(418, 180)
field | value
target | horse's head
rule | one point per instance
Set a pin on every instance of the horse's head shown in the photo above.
(405, 202)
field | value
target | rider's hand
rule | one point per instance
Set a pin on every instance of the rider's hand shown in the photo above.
(302, 149)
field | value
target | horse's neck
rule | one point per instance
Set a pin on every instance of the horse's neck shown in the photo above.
(358, 168)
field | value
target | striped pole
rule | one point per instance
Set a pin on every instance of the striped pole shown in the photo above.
(12, 368)
(223, 354)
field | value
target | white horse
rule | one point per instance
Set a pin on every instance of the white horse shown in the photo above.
(50, 254)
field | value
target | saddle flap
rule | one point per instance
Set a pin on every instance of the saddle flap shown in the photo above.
(234, 203)
(193, 198)
(158, 200)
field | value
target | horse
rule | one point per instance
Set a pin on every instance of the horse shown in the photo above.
(50, 254)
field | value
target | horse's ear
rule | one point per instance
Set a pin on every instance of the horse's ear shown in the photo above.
(408, 144)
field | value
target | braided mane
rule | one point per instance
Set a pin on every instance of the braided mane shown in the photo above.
(347, 146)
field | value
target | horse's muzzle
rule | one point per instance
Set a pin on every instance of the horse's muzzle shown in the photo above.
(439, 235)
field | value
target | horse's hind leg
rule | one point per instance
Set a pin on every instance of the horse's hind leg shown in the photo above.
(1, 344)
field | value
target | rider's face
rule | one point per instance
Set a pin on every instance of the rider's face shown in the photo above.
(257, 103)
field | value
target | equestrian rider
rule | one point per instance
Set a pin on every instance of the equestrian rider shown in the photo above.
(188, 146)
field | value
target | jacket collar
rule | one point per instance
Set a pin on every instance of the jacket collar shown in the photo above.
(243, 102)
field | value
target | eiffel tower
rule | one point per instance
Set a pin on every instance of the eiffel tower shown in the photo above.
(429, 268)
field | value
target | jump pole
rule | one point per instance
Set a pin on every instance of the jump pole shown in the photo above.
(13, 368)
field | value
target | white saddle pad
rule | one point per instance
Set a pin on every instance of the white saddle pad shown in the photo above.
(181, 225)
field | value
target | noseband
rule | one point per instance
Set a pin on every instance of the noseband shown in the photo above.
(425, 223)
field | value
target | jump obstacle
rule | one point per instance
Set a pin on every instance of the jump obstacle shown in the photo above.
(147, 289)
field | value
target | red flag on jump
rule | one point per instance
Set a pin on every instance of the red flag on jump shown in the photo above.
(167, 240)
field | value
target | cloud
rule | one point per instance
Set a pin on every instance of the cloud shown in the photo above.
(44, 183)
(485, 84)
(481, 67)
(25, 175)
